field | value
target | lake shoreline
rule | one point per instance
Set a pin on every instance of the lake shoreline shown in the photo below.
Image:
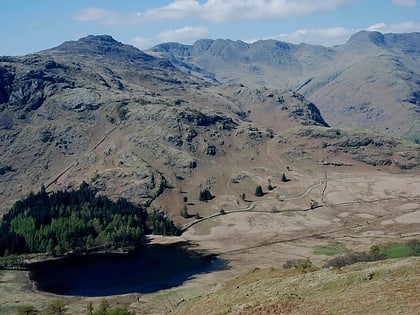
(161, 264)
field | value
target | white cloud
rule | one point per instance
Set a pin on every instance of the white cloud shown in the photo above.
(338, 35)
(176, 10)
(186, 34)
(221, 11)
(323, 36)
(142, 42)
(95, 14)
(403, 27)
(216, 11)
(404, 3)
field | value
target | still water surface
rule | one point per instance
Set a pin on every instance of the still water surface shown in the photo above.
(148, 270)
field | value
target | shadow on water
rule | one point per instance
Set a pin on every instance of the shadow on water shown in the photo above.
(149, 269)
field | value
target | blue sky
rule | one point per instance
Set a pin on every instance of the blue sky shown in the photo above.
(30, 26)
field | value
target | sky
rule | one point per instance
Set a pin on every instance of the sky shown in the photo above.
(31, 26)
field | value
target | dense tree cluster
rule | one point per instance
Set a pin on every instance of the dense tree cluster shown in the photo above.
(77, 221)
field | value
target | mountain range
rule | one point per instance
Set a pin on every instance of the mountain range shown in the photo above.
(134, 124)
(372, 81)
(328, 137)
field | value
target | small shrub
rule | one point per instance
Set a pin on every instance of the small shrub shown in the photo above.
(5, 169)
(353, 258)
(415, 247)
(122, 111)
(56, 307)
(305, 264)
(27, 310)
(301, 264)
(374, 249)
(314, 204)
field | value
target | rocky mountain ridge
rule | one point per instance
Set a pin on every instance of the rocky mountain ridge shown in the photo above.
(135, 126)
(105, 112)
(372, 81)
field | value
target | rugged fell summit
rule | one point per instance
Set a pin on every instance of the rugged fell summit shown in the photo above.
(372, 81)
(139, 126)
(107, 113)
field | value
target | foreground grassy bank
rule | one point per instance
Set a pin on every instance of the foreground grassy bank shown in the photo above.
(389, 286)
(382, 287)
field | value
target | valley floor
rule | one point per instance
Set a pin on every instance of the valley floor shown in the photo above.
(257, 237)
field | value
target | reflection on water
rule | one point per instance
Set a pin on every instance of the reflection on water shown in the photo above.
(151, 269)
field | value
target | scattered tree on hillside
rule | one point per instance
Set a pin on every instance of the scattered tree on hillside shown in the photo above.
(184, 212)
(314, 204)
(259, 191)
(284, 178)
(270, 187)
(205, 195)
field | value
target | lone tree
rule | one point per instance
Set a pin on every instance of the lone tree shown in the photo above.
(205, 195)
(258, 191)
(184, 212)
(284, 178)
(270, 187)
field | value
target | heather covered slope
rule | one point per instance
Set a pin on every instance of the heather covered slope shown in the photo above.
(394, 288)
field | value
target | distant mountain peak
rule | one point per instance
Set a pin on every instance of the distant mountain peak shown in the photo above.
(365, 37)
(104, 38)
(103, 45)
(92, 41)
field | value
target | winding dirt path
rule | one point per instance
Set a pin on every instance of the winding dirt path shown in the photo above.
(252, 206)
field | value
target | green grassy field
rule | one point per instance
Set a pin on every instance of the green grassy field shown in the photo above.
(331, 249)
(397, 251)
